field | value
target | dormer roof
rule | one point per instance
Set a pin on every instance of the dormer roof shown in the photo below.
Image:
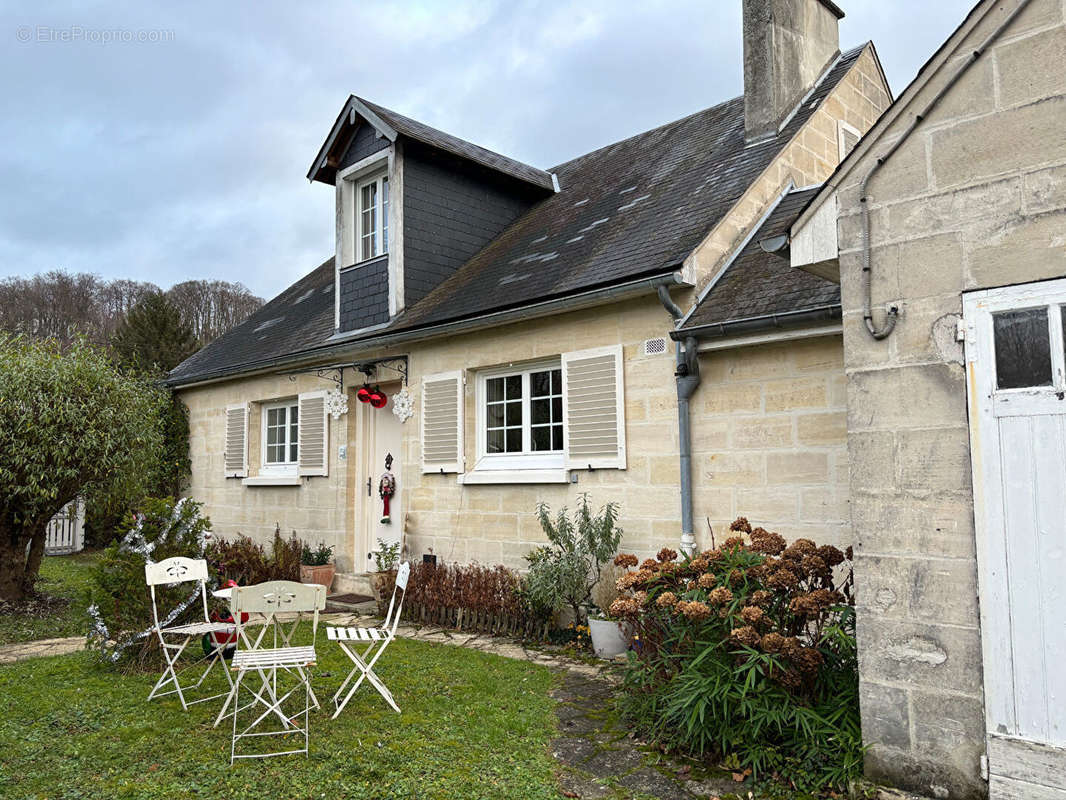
(392, 125)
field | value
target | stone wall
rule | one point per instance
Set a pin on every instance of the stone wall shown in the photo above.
(975, 198)
(769, 441)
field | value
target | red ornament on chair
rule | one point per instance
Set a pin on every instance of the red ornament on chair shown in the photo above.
(363, 395)
(378, 398)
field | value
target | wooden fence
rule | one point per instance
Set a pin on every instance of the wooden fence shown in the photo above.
(465, 619)
(66, 530)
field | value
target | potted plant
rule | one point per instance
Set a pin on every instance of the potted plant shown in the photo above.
(563, 573)
(610, 635)
(316, 565)
(385, 560)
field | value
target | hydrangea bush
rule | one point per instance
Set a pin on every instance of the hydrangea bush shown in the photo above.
(746, 652)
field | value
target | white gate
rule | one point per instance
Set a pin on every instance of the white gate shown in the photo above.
(66, 530)
(1017, 398)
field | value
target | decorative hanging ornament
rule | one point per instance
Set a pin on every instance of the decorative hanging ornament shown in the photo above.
(337, 404)
(386, 489)
(363, 395)
(378, 398)
(403, 405)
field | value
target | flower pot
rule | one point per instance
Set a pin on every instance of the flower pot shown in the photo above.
(609, 638)
(322, 574)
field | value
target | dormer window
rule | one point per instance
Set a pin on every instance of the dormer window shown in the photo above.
(372, 216)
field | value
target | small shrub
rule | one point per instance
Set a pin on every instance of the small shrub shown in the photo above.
(474, 597)
(246, 561)
(318, 556)
(387, 556)
(747, 651)
(564, 572)
(121, 610)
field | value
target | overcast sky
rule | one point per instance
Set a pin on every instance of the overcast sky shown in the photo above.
(184, 155)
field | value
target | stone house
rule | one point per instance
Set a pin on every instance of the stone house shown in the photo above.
(524, 316)
(946, 230)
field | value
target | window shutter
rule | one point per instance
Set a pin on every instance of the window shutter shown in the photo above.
(313, 434)
(442, 422)
(595, 431)
(235, 457)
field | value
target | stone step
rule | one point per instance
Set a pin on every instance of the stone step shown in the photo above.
(352, 583)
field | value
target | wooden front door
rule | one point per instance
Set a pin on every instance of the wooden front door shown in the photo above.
(1016, 378)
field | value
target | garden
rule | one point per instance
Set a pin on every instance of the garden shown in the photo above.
(737, 662)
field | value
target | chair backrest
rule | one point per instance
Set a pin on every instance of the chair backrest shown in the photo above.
(176, 569)
(403, 575)
(277, 597)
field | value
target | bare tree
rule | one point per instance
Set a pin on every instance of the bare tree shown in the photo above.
(59, 305)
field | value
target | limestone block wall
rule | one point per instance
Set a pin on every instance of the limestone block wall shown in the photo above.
(497, 523)
(769, 441)
(976, 198)
(316, 509)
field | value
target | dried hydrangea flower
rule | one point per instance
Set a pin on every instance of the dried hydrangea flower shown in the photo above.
(762, 541)
(772, 642)
(649, 563)
(753, 615)
(625, 560)
(666, 554)
(741, 524)
(666, 600)
(707, 580)
(746, 636)
(761, 597)
(830, 555)
(720, 596)
(695, 610)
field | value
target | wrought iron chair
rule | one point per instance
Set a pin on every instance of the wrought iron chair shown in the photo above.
(172, 571)
(271, 599)
(377, 638)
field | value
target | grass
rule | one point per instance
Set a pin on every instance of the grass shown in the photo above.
(65, 579)
(473, 725)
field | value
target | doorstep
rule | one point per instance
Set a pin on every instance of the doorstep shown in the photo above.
(352, 583)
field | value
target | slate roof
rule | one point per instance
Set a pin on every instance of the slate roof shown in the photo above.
(630, 210)
(761, 284)
(452, 144)
(298, 319)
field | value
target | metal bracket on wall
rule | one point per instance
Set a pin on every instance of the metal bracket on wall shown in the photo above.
(397, 364)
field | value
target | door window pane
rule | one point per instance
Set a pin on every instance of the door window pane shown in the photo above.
(1023, 348)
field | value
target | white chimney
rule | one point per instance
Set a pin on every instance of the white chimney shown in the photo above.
(787, 45)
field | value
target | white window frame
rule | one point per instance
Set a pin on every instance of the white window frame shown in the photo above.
(280, 467)
(528, 459)
(381, 248)
(843, 127)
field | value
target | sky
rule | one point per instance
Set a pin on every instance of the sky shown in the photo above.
(170, 141)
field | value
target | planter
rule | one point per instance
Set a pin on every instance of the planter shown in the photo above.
(381, 584)
(609, 638)
(322, 574)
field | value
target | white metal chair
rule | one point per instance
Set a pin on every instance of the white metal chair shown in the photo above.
(184, 570)
(271, 599)
(378, 639)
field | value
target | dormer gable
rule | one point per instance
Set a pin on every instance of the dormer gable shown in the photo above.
(413, 204)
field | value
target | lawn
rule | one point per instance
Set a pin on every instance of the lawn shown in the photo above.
(473, 725)
(65, 580)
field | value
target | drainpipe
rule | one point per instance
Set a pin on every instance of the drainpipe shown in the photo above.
(687, 377)
(892, 315)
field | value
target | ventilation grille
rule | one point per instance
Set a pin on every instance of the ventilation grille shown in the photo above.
(654, 347)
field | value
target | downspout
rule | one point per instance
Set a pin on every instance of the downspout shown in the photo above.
(687, 377)
(892, 315)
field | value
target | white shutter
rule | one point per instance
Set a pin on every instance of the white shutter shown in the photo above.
(313, 434)
(594, 409)
(442, 422)
(235, 457)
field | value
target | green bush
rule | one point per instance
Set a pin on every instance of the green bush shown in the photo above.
(247, 562)
(121, 610)
(563, 572)
(747, 654)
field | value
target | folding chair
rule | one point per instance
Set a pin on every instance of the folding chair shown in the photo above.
(271, 599)
(378, 639)
(184, 570)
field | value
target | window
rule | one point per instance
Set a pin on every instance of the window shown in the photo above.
(847, 137)
(520, 418)
(372, 217)
(1023, 348)
(281, 429)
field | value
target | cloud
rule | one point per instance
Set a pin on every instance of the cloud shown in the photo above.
(185, 158)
